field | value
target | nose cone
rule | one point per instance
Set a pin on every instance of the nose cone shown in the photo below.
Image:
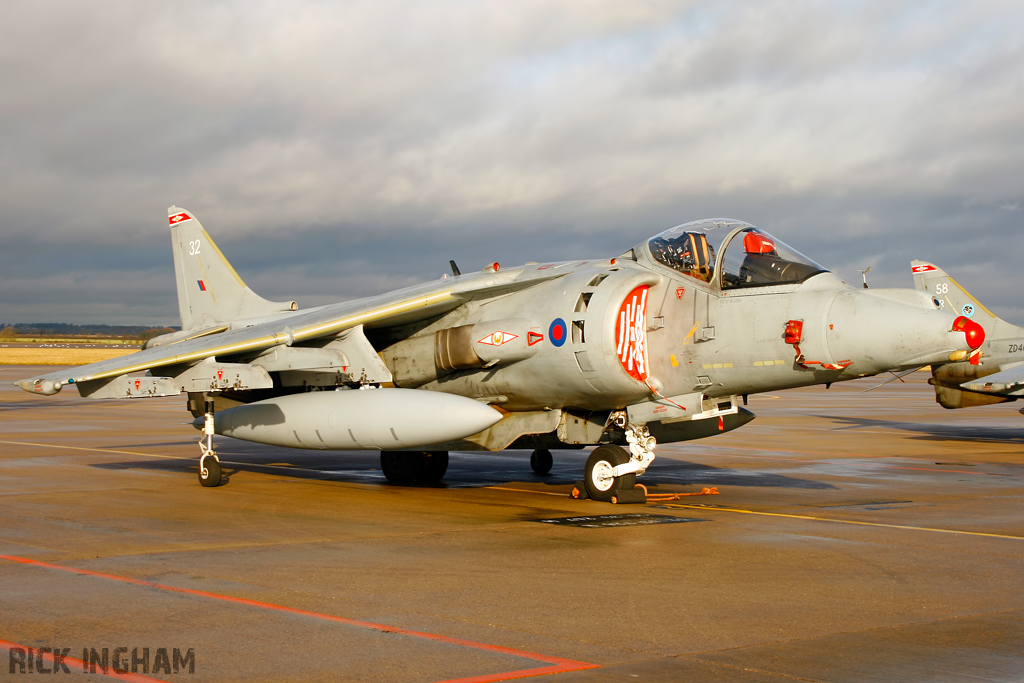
(882, 330)
(974, 333)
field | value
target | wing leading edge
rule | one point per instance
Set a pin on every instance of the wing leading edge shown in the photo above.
(303, 326)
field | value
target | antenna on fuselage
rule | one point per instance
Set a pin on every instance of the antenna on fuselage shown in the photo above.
(864, 274)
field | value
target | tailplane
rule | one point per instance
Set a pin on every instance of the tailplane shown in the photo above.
(210, 292)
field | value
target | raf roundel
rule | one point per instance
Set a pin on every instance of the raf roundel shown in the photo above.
(558, 332)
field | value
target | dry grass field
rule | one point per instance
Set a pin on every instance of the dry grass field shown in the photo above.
(58, 356)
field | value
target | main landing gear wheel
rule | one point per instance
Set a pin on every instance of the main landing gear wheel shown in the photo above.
(435, 464)
(541, 461)
(409, 467)
(598, 479)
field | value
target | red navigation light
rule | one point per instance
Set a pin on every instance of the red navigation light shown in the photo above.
(974, 332)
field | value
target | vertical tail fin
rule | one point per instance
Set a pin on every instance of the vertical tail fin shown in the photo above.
(954, 298)
(209, 290)
(930, 278)
(950, 380)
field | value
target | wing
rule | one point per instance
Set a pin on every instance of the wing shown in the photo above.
(205, 356)
(1009, 382)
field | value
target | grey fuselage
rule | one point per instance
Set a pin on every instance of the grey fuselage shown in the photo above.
(702, 342)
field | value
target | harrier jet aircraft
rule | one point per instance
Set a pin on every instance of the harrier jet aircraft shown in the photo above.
(995, 372)
(660, 344)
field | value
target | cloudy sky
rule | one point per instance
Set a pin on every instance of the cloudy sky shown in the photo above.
(340, 149)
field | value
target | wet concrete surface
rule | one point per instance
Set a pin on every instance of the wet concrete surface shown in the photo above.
(68, 345)
(857, 537)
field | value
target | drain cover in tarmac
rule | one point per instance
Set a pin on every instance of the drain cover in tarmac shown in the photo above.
(633, 519)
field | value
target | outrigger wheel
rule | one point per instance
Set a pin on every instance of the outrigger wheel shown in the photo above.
(541, 461)
(598, 479)
(209, 471)
(209, 463)
(409, 467)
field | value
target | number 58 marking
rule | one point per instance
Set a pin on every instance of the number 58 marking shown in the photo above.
(942, 288)
(193, 248)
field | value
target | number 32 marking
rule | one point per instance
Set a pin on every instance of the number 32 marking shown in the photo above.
(193, 248)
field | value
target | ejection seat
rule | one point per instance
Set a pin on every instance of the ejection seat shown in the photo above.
(689, 253)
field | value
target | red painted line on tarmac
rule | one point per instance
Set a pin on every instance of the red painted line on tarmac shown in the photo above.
(525, 673)
(81, 666)
(559, 665)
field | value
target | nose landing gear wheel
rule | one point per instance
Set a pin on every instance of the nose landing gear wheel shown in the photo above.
(541, 461)
(598, 479)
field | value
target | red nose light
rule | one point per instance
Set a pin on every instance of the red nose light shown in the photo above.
(974, 332)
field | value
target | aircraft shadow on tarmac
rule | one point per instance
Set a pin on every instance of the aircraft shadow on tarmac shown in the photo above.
(37, 404)
(938, 432)
(675, 472)
(465, 470)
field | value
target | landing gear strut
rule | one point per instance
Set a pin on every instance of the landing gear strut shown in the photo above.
(209, 463)
(409, 467)
(611, 471)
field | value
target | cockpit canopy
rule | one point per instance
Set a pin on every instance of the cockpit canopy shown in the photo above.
(752, 258)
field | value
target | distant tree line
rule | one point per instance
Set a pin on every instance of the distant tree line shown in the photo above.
(71, 330)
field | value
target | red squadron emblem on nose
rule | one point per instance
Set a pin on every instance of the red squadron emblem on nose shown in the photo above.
(631, 334)
(973, 332)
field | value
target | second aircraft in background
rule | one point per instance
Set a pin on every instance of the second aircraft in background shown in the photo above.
(996, 372)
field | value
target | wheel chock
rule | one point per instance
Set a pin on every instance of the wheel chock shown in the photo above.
(579, 491)
(630, 497)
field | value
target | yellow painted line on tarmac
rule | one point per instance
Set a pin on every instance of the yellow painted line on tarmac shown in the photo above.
(542, 493)
(841, 521)
(168, 457)
(94, 450)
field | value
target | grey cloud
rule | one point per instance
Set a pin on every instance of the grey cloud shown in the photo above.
(338, 150)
